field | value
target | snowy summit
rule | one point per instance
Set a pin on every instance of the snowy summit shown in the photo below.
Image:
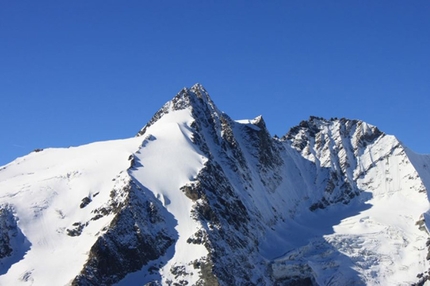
(197, 198)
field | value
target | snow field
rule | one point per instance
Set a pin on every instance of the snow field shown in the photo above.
(45, 190)
(166, 167)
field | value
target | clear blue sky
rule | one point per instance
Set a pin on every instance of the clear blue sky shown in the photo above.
(74, 72)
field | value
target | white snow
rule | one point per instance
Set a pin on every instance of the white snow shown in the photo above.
(45, 190)
(377, 234)
(374, 238)
(170, 161)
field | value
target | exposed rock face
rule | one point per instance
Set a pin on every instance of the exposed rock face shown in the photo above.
(206, 200)
(320, 163)
(316, 165)
(137, 236)
(8, 231)
(13, 244)
(335, 147)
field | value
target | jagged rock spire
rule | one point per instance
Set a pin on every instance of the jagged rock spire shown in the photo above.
(195, 98)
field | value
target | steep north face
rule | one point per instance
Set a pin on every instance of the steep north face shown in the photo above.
(197, 198)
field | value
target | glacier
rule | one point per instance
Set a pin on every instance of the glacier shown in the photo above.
(197, 198)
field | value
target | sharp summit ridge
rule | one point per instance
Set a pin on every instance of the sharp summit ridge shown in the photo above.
(197, 198)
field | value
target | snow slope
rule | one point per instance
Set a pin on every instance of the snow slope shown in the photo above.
(44, 190)
(200, 199)
(165, 169)
(376, 235)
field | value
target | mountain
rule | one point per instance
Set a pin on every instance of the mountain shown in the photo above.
(196, 198)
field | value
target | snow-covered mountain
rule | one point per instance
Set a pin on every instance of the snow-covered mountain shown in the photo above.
(197, 198)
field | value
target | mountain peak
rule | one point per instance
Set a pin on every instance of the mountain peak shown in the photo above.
(335, 201)
(188, 97)
(315, 125)
(197, 87)
(195, 98)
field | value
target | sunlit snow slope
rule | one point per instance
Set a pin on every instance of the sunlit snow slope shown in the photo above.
(197, 198)
(43, 192)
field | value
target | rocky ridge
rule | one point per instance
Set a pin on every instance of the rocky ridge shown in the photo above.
(309, 208)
